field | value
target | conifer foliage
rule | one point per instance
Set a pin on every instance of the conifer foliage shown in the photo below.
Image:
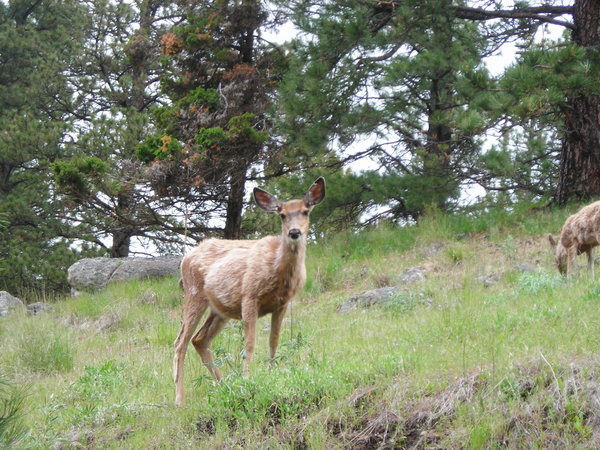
(38, 42)
(219, 77)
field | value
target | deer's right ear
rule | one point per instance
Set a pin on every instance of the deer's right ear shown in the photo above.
(266, 201)
(552, 241)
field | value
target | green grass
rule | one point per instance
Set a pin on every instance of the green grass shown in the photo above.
(449, 361)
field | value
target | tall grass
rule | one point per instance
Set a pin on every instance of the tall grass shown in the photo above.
(44, 350)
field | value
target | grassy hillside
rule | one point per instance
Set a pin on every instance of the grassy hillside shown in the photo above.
(451, 362)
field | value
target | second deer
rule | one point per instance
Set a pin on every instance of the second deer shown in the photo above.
(244, 280)
(579, 234)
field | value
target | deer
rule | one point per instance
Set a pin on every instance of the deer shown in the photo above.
(579, 234)
(244, 280)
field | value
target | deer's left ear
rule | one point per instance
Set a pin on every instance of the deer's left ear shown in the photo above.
(266, 201)
(316, 193)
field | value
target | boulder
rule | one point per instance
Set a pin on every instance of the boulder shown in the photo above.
(432, 249)
(486, 280)
(525, 267)
(382, 295)
(8, 303)
(369, 298)
(412, 275)
(92, 274)
(37, 308)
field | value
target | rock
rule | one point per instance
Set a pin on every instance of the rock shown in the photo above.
(412, 275)
(369, 298)
(139, 268)
(8, 303)
(432, 249)
(37, 308)
(108, 321)
(525, 267)
(486, 280)
(462, 236)
(92, 274)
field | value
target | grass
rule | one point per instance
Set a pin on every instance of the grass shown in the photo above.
(450, 362)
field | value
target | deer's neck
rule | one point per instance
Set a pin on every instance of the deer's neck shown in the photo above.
(291, 254)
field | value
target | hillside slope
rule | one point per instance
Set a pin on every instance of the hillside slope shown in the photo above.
(492, 348)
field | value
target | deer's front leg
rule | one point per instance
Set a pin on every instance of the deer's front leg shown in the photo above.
(276, 321)
(249, 316)
(571, 253)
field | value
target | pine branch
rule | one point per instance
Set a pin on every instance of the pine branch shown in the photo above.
(545, 14)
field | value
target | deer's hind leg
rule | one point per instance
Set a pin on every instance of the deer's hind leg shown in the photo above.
(194, 306)
(213, 325)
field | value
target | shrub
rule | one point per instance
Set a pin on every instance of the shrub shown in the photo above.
(11, 410)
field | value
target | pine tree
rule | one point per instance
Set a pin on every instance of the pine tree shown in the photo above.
(117, 79)
(577, 120)
(214, 135)
(410, 82)
(38, 42)
(461, 105)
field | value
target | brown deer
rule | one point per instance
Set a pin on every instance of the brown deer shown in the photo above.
(579, 234)
(244, 280)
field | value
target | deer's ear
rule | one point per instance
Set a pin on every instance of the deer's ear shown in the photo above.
(316, 193)
(552, 241)
(266, 201)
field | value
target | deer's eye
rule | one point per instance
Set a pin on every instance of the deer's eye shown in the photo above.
(282, 215)
(305, 212)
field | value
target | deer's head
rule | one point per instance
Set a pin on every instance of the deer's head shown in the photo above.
(294, 213)
(560, 254)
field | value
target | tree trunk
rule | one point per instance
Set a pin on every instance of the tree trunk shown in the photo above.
(121, 237)
(235, 205)
(120, 244)
(580, 157)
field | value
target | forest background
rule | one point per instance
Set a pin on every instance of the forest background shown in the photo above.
(132, 127)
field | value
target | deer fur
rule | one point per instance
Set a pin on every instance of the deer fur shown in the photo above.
(244, 280)
(579, 234)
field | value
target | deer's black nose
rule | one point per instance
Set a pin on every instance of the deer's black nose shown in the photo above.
(294, 233)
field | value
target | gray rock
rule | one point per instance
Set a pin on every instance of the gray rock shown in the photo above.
(8, 303)
(139, 268)
(486, 280)
(369, 298)
(462, 236)
(108, 321)
(432, 249)
(92, 274)
(412, 275)
(38, 308)
(525, 267)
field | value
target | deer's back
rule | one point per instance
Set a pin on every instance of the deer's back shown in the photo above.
(582, 228)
